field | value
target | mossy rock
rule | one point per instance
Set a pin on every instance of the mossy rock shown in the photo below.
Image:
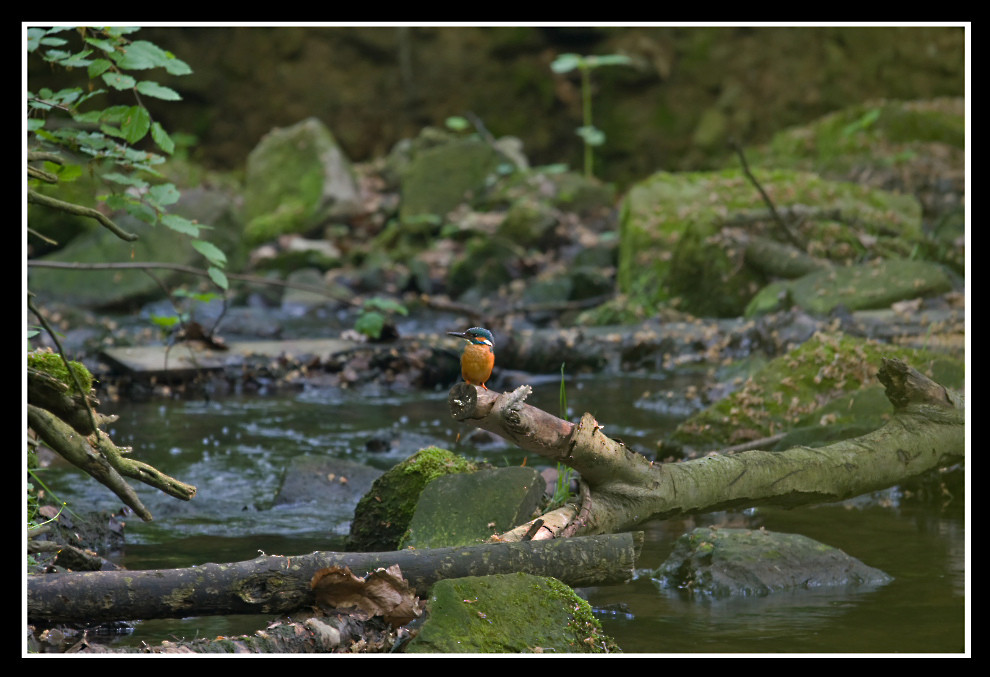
(508, 613)
(529, 223)
(123, 288)
(677, 242)
(296, 178)
(485, 266)
(714, 563)
(468, 508)
(797, 390)
(875, 133)
(860, 287)
(382, 516)
(438, 179)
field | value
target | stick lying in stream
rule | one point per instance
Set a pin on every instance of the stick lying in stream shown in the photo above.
(275, 584)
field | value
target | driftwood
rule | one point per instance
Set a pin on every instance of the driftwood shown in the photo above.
(272, 584)
(624, 489)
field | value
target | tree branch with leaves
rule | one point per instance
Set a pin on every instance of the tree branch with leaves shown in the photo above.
(70, 136)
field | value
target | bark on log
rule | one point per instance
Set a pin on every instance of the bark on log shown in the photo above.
(273, 584)
(926, 433)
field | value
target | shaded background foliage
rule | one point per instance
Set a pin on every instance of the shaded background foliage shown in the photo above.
(689, 90)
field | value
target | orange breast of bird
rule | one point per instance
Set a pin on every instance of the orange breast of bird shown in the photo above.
(476, 364)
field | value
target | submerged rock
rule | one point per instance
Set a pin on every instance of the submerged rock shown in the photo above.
(709, 562)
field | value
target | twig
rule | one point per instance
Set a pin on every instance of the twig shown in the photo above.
(44, 200)
(191, 270)
(794, 240)
(65, 361)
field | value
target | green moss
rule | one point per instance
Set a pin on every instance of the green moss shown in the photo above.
(509, 613)
(676, 239)
(53, 365)
(795, 388)
(382, 516)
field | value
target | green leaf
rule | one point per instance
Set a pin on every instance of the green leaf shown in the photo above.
(56, 55)
(864, 122)
(164, 194)
(142, 212)
(161, 138)
(119, 80)
(176, 66)
(34, 36)
(218, 277)
(149, 88)
(117, 31)
(106, 45)
(141, 55)
(98, 67)
(181, 224)
(370, 324)
(76, 60)
(607, 60)
(566, 62)
(65, 173)
(66, 97)
(137, 124)
(124, 179)
(211, 252)
(164, 321)
(591, 135)
(114, 114)
(386, 304)
(457, 123)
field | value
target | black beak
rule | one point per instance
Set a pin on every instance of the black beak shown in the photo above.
(458, 334)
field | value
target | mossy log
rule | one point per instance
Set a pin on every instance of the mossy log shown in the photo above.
(624, 488)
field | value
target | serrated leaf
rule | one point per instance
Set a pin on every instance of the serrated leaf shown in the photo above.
(176, 66)
(142, 55)
(181, 224)
(119, 80)
(211, 252)
(149, 88)
(114, 113)
(117, 31)
(106, 45)
(124, 179)
(76, 60)
(34, 36)
(161, 138)
(97, 67)
(55, 55)
(110, 130)
(141, 211)
(218, 277)
(164, 194)
(66, 172)
(137, 124)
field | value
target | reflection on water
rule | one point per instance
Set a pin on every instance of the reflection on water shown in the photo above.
(235, 450)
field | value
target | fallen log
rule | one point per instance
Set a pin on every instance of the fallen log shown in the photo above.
(276, 584)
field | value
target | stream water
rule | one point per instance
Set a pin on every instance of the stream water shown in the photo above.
(234, 451)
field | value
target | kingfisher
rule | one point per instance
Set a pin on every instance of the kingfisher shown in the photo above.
(478, 357)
